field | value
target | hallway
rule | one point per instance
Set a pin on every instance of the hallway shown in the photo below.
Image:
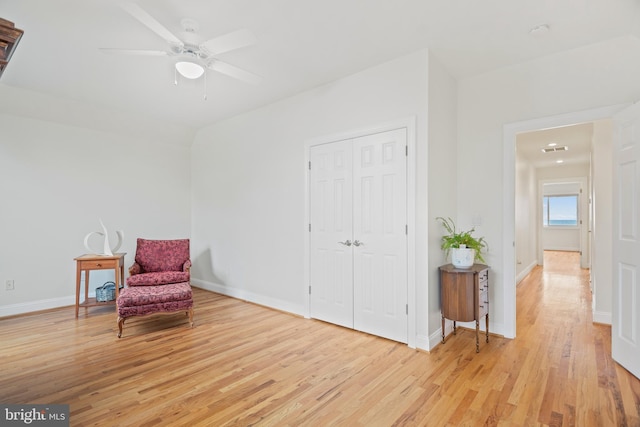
(561, 288)
(554, 301)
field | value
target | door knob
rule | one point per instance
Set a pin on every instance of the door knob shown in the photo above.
(357, 243)
(346, 243)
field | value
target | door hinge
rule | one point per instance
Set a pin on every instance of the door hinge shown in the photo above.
(309, 289)
(309, 227)
(406, 229)
(406, 150)
(309, 164)
(407, 309)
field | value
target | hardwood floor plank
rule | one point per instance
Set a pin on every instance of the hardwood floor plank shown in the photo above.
(416, 413)
(243, 364)
(462, 408)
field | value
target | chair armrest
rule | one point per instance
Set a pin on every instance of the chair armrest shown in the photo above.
(135, 269)
(187, 265)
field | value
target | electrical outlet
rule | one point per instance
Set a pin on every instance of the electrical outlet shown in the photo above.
(10, 285)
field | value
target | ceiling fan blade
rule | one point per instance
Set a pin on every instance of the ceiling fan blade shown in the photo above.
(228, 42)
(235, 72)
(148, 20)
(133, 52)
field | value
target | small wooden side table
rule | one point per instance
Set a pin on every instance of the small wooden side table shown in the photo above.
(464, 296)
(88, 262)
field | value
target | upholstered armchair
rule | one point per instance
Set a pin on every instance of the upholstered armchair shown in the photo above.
(160, 262)
(158, 282)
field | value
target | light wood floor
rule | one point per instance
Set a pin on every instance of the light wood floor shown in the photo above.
(243, 365)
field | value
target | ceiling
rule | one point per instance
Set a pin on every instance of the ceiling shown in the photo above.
(577, 138)
(301, 44)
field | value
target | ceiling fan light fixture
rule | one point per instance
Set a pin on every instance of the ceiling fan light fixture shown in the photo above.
(190, 70)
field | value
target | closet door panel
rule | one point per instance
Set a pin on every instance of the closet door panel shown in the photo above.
(379, 233)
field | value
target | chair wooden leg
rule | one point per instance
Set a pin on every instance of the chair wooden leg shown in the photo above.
(190, 314)
(120, 324)
(121, 320)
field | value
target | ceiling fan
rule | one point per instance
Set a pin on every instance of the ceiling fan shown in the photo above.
(193, 55)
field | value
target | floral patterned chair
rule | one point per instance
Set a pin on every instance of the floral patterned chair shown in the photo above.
(158, 281)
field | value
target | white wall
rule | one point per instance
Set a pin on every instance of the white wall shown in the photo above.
(526, 217)
(602, 232)
(248, 175)
(442, 183)
(56, 181)
(590, 77)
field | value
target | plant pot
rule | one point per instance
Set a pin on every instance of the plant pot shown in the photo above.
(463, 257)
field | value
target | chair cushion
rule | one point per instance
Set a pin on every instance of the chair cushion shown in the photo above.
(150, 295)
(162, 255)
(158, 278)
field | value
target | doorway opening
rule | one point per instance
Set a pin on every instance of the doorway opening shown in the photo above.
(509, 190)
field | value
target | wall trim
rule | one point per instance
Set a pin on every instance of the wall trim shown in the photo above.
(39, 305)
(423, 342)
(244, 295)
(524, 273)
(435, 339)
(602, 317)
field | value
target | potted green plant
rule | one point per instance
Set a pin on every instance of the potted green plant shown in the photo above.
(465, 249)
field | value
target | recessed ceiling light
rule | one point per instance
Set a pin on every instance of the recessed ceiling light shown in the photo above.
(539, 30)
(559, 161)
(551, 144)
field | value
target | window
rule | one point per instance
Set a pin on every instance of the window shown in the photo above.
(560, 211)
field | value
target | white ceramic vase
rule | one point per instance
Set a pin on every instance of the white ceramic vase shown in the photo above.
(462, 257)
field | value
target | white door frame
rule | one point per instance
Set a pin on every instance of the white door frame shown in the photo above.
(409, 124)
(510, 131)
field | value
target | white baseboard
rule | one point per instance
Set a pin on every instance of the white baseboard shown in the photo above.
(602, 317)
(436, 338)
(31, 306)
(526, 271)
(249, 296)
(423, 342)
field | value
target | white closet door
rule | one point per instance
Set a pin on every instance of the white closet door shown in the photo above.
(358, 265)
(331, 263)
(380, 235)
